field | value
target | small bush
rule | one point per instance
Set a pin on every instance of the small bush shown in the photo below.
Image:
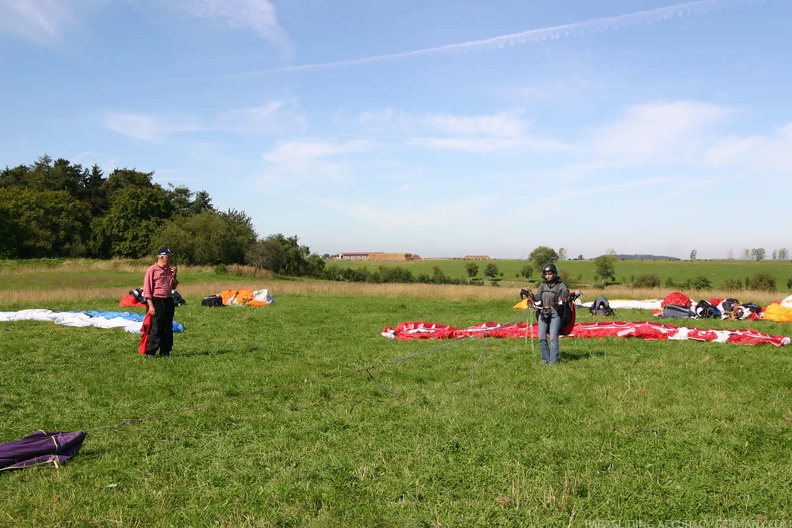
(763, 282)
(731, 284)
(701, 283)
(647, 281)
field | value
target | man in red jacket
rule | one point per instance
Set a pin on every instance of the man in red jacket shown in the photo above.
(158, 285)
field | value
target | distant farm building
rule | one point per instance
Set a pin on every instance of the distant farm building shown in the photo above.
(354, 255)
(391, 256)
(477, 257)
(376, 256)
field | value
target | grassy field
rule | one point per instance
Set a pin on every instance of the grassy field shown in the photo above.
(302, 414)
(583, 271)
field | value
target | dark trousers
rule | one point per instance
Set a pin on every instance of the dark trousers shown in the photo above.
(161, 333)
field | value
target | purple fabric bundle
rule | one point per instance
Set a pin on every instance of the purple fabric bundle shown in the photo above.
(41, 447)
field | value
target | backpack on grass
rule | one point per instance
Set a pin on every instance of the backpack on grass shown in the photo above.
(601, 307)
(706, 310)
(212, 301)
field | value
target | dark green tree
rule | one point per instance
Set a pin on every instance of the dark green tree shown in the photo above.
(295, 263)
(491, 270)
(604, 266)
(42, 224)
(526, 271)
(266, 254)
(14, 178)
(121, 179)
(208, 238)
(94, 193)
(542, 255)
(181, 200)
(201, 203)
(128, 229)
(472, 269)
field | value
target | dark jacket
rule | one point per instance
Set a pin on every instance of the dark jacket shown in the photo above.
(549, 294)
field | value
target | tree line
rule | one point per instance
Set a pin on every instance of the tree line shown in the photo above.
(58, 209)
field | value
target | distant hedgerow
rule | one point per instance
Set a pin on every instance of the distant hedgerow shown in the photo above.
(732, 284)
(646, 281)
(763, 282)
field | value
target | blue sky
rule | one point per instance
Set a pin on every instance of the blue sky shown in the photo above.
(436, 127)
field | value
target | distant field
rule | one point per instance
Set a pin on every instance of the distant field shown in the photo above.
(44, 282)
(583, 271)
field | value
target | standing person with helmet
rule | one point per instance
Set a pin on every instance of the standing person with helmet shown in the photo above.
(158, 285)
(546, 299)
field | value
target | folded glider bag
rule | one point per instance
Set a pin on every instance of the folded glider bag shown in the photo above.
(674, 310)
(144, 333)
(130, 300)
(677, 299)
(40, 448)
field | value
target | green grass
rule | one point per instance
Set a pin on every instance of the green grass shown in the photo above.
(263, 417)
(583, 271)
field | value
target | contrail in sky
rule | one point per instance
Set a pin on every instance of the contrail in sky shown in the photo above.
(539, 35)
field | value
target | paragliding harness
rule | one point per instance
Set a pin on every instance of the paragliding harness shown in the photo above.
(706, 310)
(601, 307)
(565, 308)
(566, 311)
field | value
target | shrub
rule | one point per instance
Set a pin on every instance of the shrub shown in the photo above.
(395, 274)
(647, 281)
(701, 283)
(732, 284)
(763, 282)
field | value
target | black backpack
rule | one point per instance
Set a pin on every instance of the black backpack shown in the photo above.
(706, 310)
(178, 300)
(212, 301)
(137, 293)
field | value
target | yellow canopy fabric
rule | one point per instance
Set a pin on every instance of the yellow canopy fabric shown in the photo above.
(776, 312)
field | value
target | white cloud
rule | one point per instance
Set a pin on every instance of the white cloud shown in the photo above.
(502, 124)
(755, 155)
(37, 20)
(279, 117)
(665, 133)
(477, 134)
(147, 127)
(269, 117)
(290, 153)
(256, 15)
(483, 144)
